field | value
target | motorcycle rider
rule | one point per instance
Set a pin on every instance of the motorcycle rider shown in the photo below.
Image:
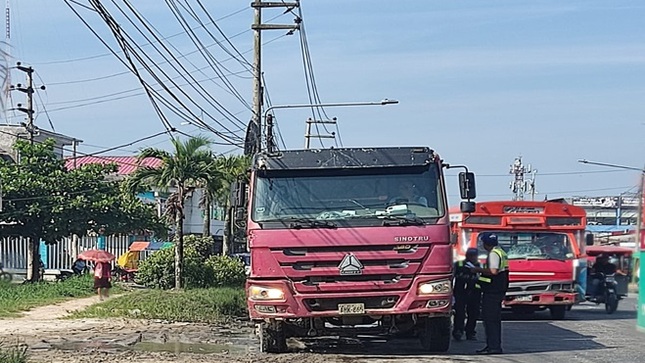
(601, 268)
(467, 296)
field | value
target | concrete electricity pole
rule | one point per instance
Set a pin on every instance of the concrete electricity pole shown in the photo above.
(29, 91)
(258, 89)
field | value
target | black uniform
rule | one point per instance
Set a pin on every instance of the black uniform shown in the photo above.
(467, 300)
(494, 289)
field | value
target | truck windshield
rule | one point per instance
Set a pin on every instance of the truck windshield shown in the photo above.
(535, 245)
(351, 195)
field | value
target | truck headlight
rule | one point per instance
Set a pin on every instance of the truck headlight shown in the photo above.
(265, 293)
(435, 287)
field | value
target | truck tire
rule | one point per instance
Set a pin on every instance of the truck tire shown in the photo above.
(558, 312)
(273, 338)
(434, 335)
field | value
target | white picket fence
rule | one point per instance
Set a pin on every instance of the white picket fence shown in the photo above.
(13, 250)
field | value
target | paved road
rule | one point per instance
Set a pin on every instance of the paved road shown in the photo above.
(587, 334)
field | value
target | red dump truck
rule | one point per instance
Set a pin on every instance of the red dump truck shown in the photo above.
(350, 240)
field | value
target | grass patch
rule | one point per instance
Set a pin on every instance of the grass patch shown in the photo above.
(16, 298)
(13, 354)
(195, 305)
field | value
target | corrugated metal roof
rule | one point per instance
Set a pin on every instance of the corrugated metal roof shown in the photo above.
(127, 164)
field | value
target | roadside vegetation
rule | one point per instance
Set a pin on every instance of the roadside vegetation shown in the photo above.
(193, 305)
(202, 267)
(213, 288)
(17, 354)
(17, 298)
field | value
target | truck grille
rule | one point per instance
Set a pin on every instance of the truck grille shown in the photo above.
(384, 267)
(523, 287)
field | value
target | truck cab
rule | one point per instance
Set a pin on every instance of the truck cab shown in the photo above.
(544, 242)
(351, 240)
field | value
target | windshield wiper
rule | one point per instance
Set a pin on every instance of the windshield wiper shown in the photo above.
(402, 221)
(299, 223)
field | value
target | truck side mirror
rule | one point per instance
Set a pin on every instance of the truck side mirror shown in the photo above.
(467, 207)
(467, 185)
(238, 194)
(589, 239)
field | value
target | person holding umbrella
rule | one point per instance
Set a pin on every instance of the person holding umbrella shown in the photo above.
(102, 270)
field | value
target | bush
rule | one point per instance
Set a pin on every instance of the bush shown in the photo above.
(158, 270)
(228, 271)
(204, 246)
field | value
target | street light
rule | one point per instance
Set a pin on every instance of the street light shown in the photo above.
(640, 241)
(382, 102)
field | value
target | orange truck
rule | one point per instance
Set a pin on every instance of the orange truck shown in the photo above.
(545, 246)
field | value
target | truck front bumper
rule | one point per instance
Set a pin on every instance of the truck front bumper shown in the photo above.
(541, 299)
(326, 304)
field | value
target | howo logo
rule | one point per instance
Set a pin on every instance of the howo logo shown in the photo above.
(411, 239)
(350, 265)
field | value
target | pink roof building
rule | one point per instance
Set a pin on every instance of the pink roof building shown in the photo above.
(126, 164)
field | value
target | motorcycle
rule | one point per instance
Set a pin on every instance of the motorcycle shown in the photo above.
(4, 275)
(607, 293)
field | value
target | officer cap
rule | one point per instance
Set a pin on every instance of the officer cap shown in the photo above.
(489, 238)
(472, 252)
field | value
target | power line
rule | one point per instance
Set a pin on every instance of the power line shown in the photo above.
(125, 46)
(551, 173)
(222, 110)
(109, 54)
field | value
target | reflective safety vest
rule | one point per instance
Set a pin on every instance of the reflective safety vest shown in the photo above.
(497, 283)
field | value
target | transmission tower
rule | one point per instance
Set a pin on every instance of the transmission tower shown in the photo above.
(520, 186)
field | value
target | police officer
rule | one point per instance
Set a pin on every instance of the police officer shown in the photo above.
(494, 283)
(467, 296)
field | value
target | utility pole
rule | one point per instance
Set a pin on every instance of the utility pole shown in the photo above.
(258, 89)
(309, 135)
(29, 91)
(74, 143)
(519, 186)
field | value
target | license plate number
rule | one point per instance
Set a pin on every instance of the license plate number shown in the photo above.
(524, 298)
(351, 309)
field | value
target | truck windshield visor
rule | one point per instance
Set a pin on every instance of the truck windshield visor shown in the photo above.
(350, 195)
(534, 245)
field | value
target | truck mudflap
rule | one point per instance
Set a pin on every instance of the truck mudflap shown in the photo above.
(324, 304)
(542, 299)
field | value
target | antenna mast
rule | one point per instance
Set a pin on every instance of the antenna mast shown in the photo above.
(519, 186)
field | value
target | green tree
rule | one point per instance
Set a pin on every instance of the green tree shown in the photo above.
(231, 168)
(42, 200)
(224, 171)
(182, 170)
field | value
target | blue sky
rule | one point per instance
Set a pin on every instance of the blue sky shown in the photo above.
(479, 81)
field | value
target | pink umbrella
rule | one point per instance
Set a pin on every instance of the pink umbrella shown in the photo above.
(96, 256)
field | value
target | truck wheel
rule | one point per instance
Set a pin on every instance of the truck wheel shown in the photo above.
(434, 335)
(558, 312)
(273, 338)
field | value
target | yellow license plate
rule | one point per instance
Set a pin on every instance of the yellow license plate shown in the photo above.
(351, 309)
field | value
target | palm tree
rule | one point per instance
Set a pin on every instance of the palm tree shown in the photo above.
(184, 169)
(232, 168)
(225, 170)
